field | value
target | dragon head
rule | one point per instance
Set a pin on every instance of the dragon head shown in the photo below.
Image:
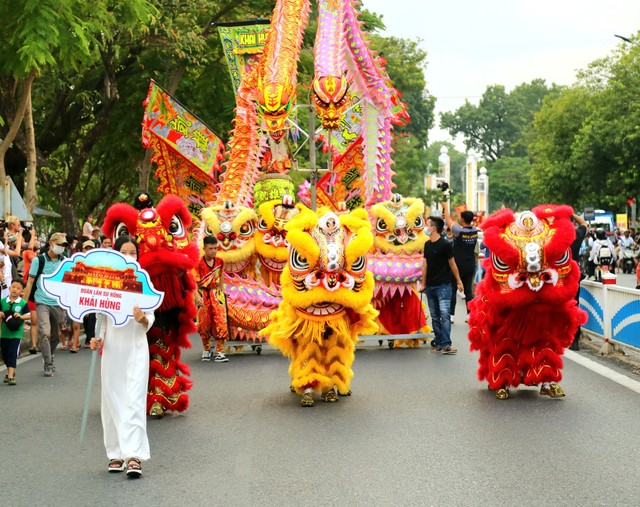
(331, 99)
(275, 101)
(233, 226)
(327, 269)
(399, 225)
(530, 258)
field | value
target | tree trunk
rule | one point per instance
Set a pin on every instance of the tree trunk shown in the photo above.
(15, 124)
(30, 196)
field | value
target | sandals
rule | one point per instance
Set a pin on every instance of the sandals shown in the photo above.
(134, 469)
(116, 465)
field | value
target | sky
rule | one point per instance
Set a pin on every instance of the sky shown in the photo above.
(472, 44)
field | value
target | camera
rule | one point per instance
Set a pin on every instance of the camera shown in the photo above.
(444, 187)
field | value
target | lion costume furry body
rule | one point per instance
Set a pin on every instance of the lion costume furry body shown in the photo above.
(167, 255)
(326, 304)
(524, 314)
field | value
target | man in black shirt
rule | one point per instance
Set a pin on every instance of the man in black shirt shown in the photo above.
(465, 238)
(437, 267)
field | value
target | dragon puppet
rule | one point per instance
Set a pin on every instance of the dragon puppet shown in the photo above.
(326, 301)
(396, 264)
(167, 255)
(348, 76)
(524, 314)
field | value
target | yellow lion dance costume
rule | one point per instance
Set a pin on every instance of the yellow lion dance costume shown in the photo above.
(327, 292)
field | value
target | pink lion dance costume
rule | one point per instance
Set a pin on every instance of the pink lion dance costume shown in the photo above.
(524, 314)
(167, 255)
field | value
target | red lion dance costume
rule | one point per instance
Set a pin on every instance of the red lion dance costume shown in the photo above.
(167, 255)
(524, 314)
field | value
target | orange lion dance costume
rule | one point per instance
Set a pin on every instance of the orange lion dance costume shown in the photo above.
(524, 314)
(167, 255)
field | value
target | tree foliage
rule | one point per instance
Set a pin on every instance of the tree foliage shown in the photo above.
(496, 127)
(586, 143)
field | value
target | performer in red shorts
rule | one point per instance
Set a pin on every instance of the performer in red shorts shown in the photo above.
(212, 302)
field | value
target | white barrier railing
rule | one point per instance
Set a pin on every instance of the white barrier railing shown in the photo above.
(614, 312)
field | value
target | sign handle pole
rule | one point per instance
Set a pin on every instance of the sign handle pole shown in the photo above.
(87, 396)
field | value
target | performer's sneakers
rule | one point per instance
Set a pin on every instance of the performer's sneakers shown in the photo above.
(221, 358)
(553, 390)
(206, 355)
(306, 400)
(48, 371)
(330, 396)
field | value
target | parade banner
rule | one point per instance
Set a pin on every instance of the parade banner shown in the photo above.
(185, 151)
(345, 184)
(167, 119)
(243, 44)
(102, 281)
(177, 176)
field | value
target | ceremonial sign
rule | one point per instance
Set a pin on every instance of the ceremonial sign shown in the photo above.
(103, 281)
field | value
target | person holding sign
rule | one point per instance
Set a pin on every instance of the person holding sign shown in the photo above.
(125, 374)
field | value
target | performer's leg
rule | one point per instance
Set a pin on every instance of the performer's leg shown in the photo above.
(339, 353)
(502, 367)
(542, 365)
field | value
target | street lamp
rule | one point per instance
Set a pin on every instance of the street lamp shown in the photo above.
(626, 39)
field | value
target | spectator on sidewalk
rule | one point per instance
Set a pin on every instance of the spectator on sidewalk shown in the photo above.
(89, 320)
(87, 227)
(13, 312)
(437, 268)
(49, 314)
(465, 239)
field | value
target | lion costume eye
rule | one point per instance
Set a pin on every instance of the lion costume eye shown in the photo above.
(419, 223)
(121, 230)
(176, 228)
(246, 229)
(262, 225)
(381, 225)
(207, 231)
(297, 262)
(564, 259)
(498, 264)
(359, 265)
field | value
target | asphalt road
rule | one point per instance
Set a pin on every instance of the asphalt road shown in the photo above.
(418, 430)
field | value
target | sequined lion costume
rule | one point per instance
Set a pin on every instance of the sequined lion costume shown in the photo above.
(524, 314)
(396, 263)
(167, 255)
(326, 304)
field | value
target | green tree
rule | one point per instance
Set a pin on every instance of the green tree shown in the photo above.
(586, 143)
(496, 127)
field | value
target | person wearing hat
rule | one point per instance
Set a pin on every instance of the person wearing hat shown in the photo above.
(88, 245)
(49, 314)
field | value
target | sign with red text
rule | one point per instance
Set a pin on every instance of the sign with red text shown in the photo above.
(102, 281)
